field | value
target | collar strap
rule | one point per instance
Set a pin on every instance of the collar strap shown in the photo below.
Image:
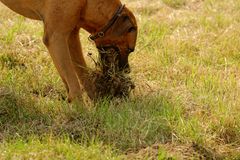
(102, 32)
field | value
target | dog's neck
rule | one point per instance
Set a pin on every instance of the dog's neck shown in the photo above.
(97, 14)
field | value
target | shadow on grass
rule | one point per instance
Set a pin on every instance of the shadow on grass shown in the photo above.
(129, 125)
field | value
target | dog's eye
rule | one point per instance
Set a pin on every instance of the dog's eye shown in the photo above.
(132, 29)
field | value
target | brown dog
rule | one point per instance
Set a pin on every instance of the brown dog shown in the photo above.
(108, 21)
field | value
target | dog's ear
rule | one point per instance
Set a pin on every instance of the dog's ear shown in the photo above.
(122, 25)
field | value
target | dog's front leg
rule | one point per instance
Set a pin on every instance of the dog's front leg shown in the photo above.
(60, 18)
(79, 62)
(57, 44)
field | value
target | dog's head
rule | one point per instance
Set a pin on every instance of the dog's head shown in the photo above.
(121, 36)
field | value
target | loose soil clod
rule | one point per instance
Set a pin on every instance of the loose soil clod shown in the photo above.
(107, 78)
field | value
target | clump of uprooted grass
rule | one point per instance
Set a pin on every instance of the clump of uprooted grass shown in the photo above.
(107, 78)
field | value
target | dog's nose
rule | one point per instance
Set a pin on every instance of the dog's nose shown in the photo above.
(130, 50)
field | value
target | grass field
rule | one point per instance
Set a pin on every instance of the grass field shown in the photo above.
(186, 104)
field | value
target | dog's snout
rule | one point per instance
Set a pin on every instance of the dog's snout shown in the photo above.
(130, 50)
